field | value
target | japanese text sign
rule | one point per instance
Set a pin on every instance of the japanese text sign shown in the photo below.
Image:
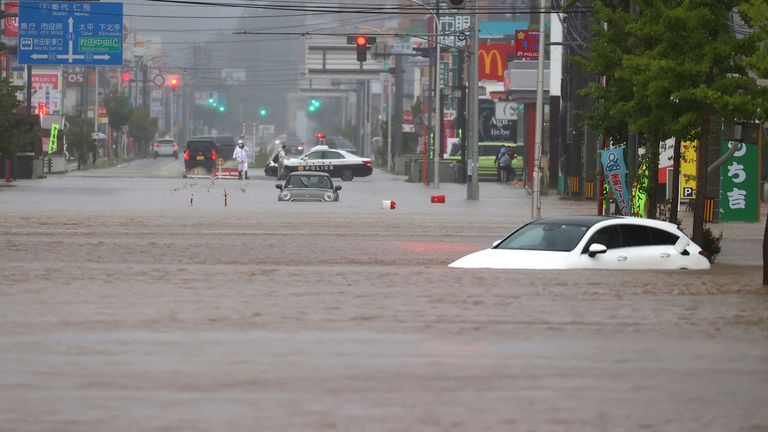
(615, 174)
(740, 184)
(56, 33)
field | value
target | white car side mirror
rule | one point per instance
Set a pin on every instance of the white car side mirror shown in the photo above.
(596, 248)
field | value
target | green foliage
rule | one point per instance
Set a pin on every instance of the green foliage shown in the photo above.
(119, 109)
(78, 136)
(711, 243)
(141, 127)
(11, 137)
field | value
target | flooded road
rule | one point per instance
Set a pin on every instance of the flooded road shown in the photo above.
(124, 308)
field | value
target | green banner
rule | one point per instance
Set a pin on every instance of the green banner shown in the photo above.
(54, 139)
(740, 184)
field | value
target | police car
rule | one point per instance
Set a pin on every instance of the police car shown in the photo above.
(335, 162)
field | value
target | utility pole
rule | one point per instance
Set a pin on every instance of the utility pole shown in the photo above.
(473, 105)
(438, 140)
(95, 100)
(389, 123)
(397, 107)
(536, 195)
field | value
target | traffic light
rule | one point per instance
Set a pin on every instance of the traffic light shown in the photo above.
(457, 4)
(221, 108)
(173, 82)
(313, 105)
(362, 42)
(211, 99)
(362, 48)
(263, 112)
(125, 76)
(42, 108)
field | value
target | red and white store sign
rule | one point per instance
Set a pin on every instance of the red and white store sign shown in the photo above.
(11, 23)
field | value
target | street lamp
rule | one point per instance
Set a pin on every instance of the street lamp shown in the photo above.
(438, 115)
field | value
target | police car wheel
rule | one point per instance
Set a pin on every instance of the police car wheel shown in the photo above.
(347, 175)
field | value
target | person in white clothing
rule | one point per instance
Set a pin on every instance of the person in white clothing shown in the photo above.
(241, 157)
(281, 162)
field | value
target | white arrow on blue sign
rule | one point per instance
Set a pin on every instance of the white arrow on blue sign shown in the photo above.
(60, 33)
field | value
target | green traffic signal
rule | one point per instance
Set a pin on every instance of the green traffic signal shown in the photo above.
(263, 112)
(221, 108)
(314, 104)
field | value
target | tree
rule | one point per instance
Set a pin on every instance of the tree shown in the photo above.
(118, 106)
(678, 65)
(142, 128)
(78, 135)
(9, 131)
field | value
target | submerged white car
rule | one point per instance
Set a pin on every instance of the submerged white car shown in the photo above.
(591, 242)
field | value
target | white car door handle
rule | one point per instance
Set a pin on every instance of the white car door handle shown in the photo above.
(621, 258)
(665, 255)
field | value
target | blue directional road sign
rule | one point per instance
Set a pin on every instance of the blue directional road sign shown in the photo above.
(63, 33)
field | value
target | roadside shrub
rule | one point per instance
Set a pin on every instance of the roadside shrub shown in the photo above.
(711, 243)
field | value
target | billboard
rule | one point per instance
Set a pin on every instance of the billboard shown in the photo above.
(527, 44)
(740, 184)
(11, 23)
(46, 89)
(493, 60)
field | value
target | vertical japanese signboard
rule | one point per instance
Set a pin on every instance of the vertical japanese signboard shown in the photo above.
(740, 184)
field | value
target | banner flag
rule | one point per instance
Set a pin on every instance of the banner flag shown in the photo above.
(54, 139)
(615, 174)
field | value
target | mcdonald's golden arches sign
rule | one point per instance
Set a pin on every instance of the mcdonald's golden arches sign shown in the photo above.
(493, 59)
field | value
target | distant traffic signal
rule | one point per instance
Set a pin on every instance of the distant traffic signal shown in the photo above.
(173, 82)
(221, 108)
(263, 112)
(362, 42)
(42, 109)
(125, 76)
(313, 105)
(211, 99)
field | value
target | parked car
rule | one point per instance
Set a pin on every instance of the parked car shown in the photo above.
(200, 156)
(337, 163)
(165, 147)
(591, 242)
(308, 186)
(294, 148)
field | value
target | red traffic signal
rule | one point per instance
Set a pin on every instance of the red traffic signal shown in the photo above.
(42, 109)
(125, 76)
(173, 82)
(362, 42)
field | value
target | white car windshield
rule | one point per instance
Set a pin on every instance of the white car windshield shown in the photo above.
(545, 236)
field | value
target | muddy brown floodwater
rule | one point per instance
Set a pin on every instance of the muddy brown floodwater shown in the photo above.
(319, 318)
